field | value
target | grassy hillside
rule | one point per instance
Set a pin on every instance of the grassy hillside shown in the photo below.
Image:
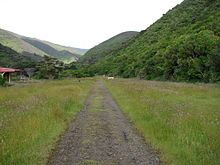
(77, 51)
(33, 118)
(28, 46)
(62, 55)
(181, 120)
(107, 47)
(12, 40)
(183, 45)
(11, 58)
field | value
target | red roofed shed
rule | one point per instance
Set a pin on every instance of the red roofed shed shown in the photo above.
(5, 72)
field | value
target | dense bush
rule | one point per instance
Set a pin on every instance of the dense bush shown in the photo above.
(2, 81)
(193, 57)
(72, 74)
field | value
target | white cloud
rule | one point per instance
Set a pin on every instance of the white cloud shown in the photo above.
(80, 23)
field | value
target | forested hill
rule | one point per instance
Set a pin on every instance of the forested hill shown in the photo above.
(10, 58)
(107, 48)
(184, 45)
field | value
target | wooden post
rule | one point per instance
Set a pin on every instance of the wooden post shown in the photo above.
(9, 78)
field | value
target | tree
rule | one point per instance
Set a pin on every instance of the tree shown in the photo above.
(49, 68)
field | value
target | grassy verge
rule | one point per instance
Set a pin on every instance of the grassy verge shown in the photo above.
(181, 120)
(33, 117)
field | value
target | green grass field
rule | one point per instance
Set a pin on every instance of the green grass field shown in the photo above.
(181, 120)
(33, 117)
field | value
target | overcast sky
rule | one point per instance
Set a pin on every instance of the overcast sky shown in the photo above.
(80, 23)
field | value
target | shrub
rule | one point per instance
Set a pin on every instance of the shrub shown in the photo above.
(2, 81)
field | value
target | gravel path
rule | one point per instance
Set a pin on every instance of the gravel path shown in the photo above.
(101, 135)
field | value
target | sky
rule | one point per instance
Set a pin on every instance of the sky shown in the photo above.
(80, 23)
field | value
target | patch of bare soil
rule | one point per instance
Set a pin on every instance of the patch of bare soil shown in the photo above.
(101, 134)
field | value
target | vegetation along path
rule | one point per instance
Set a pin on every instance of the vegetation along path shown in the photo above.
(102, 135)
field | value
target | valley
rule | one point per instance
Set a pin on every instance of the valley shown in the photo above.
(147, 96)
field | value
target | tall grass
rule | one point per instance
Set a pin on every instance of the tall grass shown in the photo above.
(181, 120)
(33, 117)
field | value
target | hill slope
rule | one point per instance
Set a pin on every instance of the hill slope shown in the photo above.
(14, 41)
(62, 55)
(30, 46)
(107, 47)
(183, 45)
(78, 51)
(11, 58)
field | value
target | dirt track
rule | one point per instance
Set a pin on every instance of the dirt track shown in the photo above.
(101, 134)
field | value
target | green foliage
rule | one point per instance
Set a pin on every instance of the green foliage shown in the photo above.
(182, 46)
(2, 81)
(75, 70)
(72, 74)
(193, 57)
(49, 68)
